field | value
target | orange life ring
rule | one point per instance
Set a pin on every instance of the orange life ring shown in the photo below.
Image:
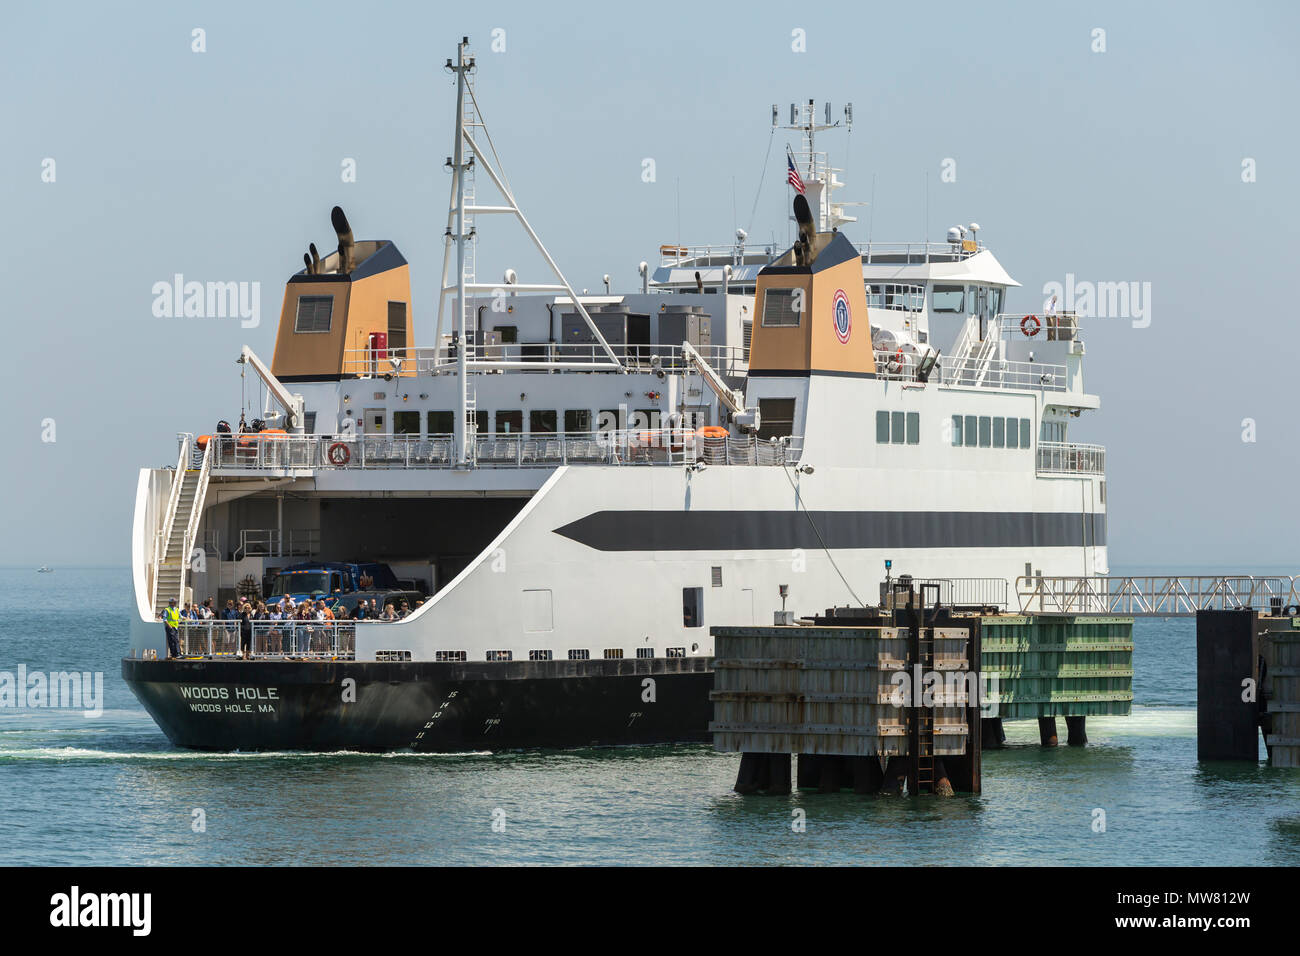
(339, 453)
(1030, 325)
(713, 431)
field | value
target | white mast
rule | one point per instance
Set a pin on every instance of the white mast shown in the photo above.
(458, 215)
(819, 179)
(462, 368)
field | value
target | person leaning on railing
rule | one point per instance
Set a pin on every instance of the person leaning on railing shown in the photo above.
(171, 618)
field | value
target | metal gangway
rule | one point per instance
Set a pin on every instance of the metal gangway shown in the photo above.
(1157, 595)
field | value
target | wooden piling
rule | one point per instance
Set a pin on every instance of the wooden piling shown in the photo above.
(778, 778)
(1076, 733)
(1227, 655)
(992, 734)
(1047, 731)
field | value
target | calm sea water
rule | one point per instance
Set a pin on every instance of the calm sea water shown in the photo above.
(112, 790)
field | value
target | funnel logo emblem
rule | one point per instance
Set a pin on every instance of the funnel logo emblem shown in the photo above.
(843, 317)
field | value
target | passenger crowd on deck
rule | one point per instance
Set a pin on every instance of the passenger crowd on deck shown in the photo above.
(286, 609)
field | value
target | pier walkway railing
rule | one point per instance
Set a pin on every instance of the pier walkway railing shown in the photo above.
(321, 640)
(276, 451)
(1155, 595)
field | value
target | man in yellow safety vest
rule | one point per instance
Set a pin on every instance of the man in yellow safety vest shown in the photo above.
(171, 625)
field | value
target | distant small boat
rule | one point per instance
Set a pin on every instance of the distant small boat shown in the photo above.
(45, 569)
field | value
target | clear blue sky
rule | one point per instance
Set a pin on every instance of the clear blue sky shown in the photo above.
(222, 165)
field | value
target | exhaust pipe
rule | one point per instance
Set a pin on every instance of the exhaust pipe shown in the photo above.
(346, 244)
(315, 259)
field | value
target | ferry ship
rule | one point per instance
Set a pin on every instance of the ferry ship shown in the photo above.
(584, 484)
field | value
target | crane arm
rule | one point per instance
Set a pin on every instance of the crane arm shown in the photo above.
(733, 399)
(292, 404)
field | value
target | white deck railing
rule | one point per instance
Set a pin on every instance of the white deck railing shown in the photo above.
(280, 452)
(976, 372)
(539, 357)
(1063, 458)
(305, 639)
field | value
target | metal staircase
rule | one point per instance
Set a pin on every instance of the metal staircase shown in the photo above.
(180, 526)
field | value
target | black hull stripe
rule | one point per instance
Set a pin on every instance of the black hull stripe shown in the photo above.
(785, 530)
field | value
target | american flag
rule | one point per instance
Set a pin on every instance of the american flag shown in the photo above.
(792, 177)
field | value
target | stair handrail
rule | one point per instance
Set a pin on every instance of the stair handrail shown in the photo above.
(169, 518)
(196, 512)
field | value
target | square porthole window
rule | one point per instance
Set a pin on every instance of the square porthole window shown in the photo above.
(581, 655)
(645, 652)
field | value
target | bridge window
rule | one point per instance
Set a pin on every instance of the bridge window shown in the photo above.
(1052, 431)
(779, 307)
(970, 432)
(481, 422)
(314, 313)
(1013, 433)
(948, 298)
(776, 417)
(406, 423)
(986, 431)
(1024, 433)
(542, 421)
(607, 420)
(902, 297)
(442, 423)
(577, 420)
(510, 422)
(999, 432)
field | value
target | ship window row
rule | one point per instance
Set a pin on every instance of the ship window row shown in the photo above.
(576, 654)
(898, 428)
(543, 421)
(984, 431)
